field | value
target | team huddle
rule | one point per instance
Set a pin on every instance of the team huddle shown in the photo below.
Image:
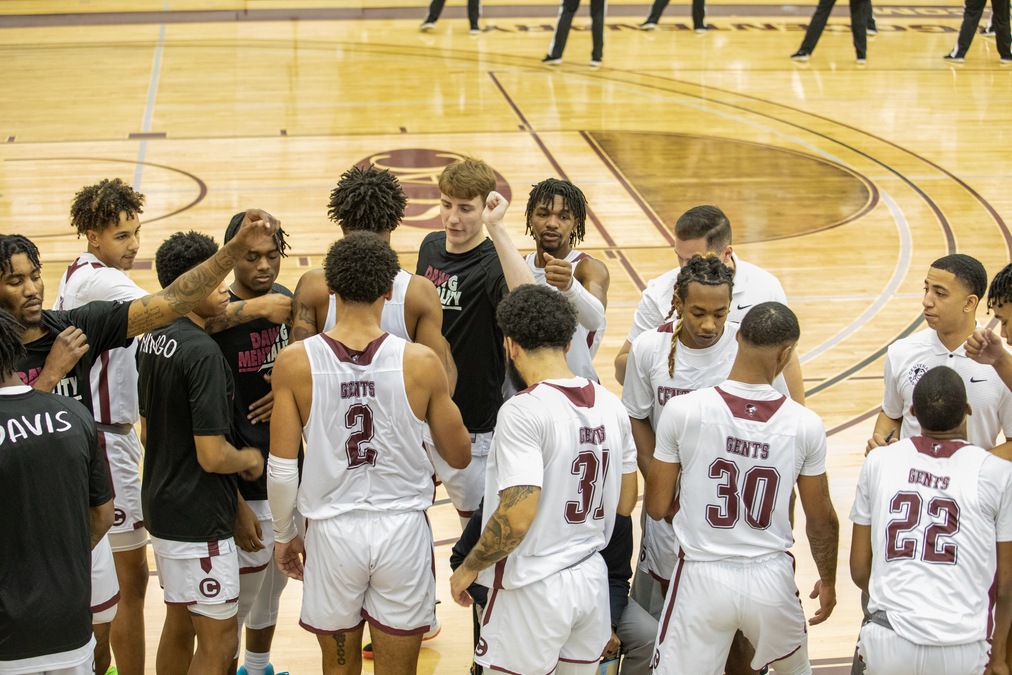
(302, 435)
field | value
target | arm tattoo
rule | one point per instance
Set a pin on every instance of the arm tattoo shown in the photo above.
(824, 540)
(183, 294)
(498, 539)
(235, 315)
(305, 320)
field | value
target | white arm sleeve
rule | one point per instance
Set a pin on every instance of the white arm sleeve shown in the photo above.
(282, 491)
(589, 310)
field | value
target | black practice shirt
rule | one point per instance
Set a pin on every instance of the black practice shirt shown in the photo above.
(184, 390)
(104, 324)
(51, 472)
(470, 287)
(250, 351)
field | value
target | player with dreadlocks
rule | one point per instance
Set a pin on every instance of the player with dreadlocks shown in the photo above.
(694, 349)
(371, 200)
(556, 218)
(983, 346)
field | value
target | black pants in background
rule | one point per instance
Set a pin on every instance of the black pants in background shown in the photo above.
(566, 13)
(860, 12)
(473, 11)
(698, 12)
(972, 11)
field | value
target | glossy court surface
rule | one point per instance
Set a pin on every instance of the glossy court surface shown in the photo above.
(845, 181)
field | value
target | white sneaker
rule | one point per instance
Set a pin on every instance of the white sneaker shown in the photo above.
(427, 27)
(433, 629)
(475, 30)
(648, 25)
(595, 63)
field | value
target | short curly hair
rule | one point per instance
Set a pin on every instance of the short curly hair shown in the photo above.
(367, 199)
(537, 317)
(180, 253)
(361, 268)
(11, 349)
(940, 399)
(98, 206)
(770, 324)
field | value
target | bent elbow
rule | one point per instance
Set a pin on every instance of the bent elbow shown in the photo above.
(460, 458)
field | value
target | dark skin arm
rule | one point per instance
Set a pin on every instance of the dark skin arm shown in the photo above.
(186, 292)
(309, 306)
(823, 530)
(275, 307)
(71, 344)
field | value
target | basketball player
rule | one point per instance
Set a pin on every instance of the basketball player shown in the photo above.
(360, 397)
(733, 453)
(472, 274)
(250, 351)
(107, 216)
(928, 516)
(983, 346)
(371, 200)
(860, 21)
(556, 217)
(562, 465)
(57, 500)
(952, 291)
(702, 230)
(189, 487)
(999, 25)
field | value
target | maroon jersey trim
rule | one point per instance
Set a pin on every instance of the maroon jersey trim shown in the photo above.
(935, 448)
(748, 409)
(581, 397)
(359, 358)
(668, 327)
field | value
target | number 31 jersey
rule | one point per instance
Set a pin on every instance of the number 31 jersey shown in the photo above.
(571, 438)
(363, 442)
(936, 510)
(741, 448)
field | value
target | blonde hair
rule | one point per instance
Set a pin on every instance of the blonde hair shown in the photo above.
(467, 178)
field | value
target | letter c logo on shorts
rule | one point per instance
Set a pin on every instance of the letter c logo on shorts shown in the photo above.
(210, 588)
(481, 648)
(119, 517)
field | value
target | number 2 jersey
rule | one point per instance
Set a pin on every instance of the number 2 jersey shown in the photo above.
(936, 510)
(741, 448)
(571, 438)
(363, 442)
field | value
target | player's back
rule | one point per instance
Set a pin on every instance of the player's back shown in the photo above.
(935, 509)
(392, 320)
(579, 432)
(363, 442)
(742, 447)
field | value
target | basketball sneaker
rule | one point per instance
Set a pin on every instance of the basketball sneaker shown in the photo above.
(648, 25)
(475, 30)
(269, 670)
(427, 27)
(953, 57)
(801, 56)
(550, 60)
(595, 63)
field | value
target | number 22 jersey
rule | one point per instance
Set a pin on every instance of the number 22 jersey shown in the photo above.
(936, 510)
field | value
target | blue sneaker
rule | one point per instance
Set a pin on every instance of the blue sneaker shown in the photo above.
(269, 670)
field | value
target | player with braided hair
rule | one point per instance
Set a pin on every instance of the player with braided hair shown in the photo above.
(556, 218)
(694, 349)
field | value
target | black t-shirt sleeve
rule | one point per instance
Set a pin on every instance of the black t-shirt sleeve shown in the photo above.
(207, 384)
(495, 281)
(105, 324)
(421, 265)
(617, 555)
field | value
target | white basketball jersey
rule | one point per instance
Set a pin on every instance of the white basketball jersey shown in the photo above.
(392, 320)
(741, 448)
(580, 356)
(572, 439)
(114, 375)
(936, 510)
(363, 442)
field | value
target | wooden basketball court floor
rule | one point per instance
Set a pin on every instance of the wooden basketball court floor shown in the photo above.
(845, 181)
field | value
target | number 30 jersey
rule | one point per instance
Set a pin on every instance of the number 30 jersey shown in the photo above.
(363, 442)
(936, 510)
(741, 448)
(571, 438)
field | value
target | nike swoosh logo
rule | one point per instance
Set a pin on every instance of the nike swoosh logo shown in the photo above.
(975, 381)
(744, 306)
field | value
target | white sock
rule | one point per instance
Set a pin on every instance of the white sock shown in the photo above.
(255, 663)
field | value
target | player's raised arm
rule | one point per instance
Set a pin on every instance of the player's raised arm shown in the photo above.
(186, 292)
(514, 267)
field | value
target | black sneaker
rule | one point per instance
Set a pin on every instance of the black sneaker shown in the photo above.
(550, 60)
(801, 56)
(953, 57)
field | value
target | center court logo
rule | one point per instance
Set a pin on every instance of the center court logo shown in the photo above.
(418, 171)
(210, 588)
